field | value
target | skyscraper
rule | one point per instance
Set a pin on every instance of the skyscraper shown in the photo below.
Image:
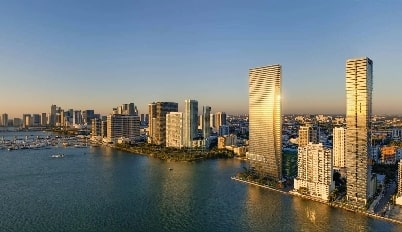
(17, 122)
(126, 109)
(132, 110)
(4, 120)
(53, 111)
(144, 119)
(157, 121)
(220, 119)
(265, 121)
(77, 117)
(206, 125)
(61, 119)
(26, 120)
(338, 147)
(212, 122)
(190, 122)
(87, 116)
(206, 119)
(359, 87)
(36, 120)
(44, 119)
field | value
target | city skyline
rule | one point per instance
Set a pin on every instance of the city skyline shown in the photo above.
(92, 56)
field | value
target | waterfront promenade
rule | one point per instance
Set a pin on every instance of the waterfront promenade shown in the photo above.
(332, 204)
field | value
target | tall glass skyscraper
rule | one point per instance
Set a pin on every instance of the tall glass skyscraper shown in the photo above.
(206, 126)
(190, 124)
(359, 87)
(265, 120)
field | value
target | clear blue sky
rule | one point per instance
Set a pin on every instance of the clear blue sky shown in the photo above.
(100, 54)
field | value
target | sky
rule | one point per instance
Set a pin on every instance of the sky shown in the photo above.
(97, 54)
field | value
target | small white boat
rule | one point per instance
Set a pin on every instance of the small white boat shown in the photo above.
(58, 156)
(80, 146)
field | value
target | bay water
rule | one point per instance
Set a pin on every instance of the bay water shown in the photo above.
(103, 189)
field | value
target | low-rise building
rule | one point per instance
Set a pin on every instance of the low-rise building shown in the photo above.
(240, 151)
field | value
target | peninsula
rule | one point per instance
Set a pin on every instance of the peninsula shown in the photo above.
(174, 154)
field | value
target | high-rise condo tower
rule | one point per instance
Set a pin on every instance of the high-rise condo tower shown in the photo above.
(359, 87)
(265, 144)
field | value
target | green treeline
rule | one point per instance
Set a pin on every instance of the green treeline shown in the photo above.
(175, 154)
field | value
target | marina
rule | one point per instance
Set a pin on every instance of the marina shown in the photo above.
(40, 140)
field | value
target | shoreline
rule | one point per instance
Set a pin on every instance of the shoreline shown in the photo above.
(331, 204)
(172, 156)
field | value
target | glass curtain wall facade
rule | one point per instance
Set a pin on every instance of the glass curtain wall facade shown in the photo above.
(359, 87)
(265, 144)
(190, 118)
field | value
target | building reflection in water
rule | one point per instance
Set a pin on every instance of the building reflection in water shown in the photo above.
(267, 210)
(311, 214)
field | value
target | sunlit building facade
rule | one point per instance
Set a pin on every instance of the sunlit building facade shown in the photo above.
(174, 129)
(220, 119)
(212, 122)
(122, 127)
(26, 120)
(265, 121)
(96, 128)
(314, 171)
(338, 147)
(308, 134)
(398, 199)
(359, 87)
